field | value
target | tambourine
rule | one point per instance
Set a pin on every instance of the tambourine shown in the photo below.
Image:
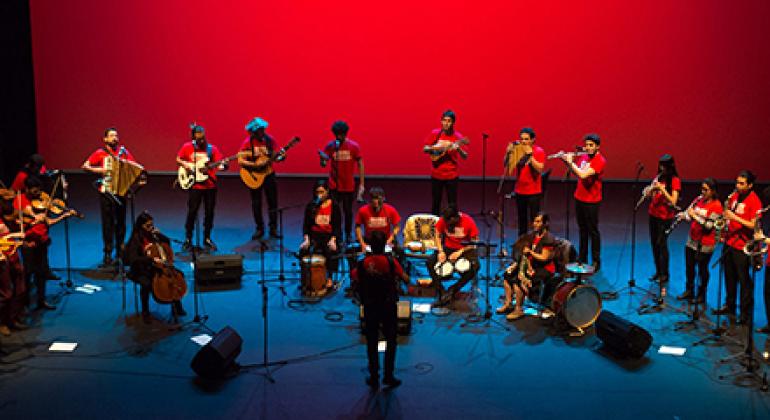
(462, 265)
(443, 269)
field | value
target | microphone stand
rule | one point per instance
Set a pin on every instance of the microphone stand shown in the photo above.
(717, 333)
(487, 315)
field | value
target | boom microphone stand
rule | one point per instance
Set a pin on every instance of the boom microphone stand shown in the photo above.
(487, 315)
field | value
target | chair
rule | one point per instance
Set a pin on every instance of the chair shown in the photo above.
(419, 237)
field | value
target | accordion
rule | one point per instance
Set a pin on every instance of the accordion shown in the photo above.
(121, 175)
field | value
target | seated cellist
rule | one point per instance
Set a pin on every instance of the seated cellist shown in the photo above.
(145, 266)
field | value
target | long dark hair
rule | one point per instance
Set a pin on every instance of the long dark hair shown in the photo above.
(137, 231)
(667, 170)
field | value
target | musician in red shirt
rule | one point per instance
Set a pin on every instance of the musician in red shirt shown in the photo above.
(589, 169)
(189, 156)
(345, 156)
(701, 240)
(529, 182)
(741, 210)
(764, 242)
(321, 226)
(377, 216)
(112, 205)
(444, 147)
(35, 166)
(259, 144)
(12, 285)
(536, 253)
(453, 232)
(664, 196)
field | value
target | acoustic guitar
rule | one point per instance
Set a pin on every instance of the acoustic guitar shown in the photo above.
(187, 177)
(254, 177)
(461, 142)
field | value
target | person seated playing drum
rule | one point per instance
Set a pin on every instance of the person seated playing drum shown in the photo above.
(322, 228)
(532, 269)
(453, 232)
(145, 265)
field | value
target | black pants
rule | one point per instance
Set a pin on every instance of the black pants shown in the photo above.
(737, 273)
(527, 207)
(587, 215)
(209, 198)
(35, 263)
(700, 260)
(464, 278)
(437, 187)
(346, 201)
(269, 186)
(767, 295)
(145, 288)
(659, 242)
(113, 222)
(380, 315)
(12, 290)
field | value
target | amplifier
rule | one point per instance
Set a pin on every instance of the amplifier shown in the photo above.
(219, 272)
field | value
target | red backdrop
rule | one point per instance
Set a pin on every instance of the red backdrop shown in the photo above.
(691, 78)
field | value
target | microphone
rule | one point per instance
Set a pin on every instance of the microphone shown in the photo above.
(317, 201)
(337, 144)
(484, 135)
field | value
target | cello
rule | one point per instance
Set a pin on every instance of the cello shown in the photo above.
(168, 284)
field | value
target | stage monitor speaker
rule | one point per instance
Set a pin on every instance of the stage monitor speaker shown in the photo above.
(217, 358)
(403, 317)
(219, 272)
(622, 336)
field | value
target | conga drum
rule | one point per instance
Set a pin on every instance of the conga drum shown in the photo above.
(313, 272)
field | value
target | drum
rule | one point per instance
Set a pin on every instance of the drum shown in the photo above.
(444, 269)
(579, 305)
(313, 272)
(415, 246)
(462, 265)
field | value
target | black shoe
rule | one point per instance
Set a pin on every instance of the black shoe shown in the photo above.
(187, 245)
(723, 311)
(764, 330)
(391, 381)
(373, 382)
(209, 244)
(18, 325)
(687, 295)
(52, 276)
(45, 305)
(274, 234)
(258, 234)
(107, 260)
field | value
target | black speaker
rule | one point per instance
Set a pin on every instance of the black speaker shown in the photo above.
(217, 357)
(219, 272)
(624, 337)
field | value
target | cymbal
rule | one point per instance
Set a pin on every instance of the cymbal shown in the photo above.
(579, 268)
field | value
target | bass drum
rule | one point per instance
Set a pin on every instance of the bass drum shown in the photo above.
(579, 305)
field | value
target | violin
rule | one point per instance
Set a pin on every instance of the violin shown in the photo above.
(11, 242)
(54, 207)
(169, 284)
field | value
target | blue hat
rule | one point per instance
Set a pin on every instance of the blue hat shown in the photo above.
(256, 124)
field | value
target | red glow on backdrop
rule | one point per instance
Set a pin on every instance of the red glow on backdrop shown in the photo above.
(688, 78)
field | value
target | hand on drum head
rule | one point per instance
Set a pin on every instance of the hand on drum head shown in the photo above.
(305, 244)
(455, 255)
(441, 256)
(332, 244)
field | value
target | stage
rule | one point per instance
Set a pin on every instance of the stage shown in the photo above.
(451, 368)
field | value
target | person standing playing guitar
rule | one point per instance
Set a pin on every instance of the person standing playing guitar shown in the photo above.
(254, 149)
(529, 182)
(112, 205)
(444, 147)
(191, 152)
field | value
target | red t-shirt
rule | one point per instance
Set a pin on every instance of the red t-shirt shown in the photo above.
(737, 234)
(323, 219)
(550, 266)
(589, 189)
(98, 159)
(659, 206)
(446, 167)
(704, 210)
(256, 147)
(343, 161)
(465, 231)
(528, 180)
(188, 153)
(37, 232)
(384, 220)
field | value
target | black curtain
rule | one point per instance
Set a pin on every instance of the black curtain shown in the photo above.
(18, 133)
